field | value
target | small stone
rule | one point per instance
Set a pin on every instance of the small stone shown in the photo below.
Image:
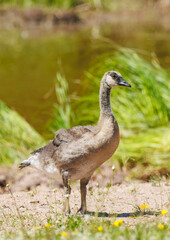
(2, 181)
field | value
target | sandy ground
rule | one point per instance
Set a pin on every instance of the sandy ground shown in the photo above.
(44, 200)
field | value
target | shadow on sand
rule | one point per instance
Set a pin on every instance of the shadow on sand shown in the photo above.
(132, 214)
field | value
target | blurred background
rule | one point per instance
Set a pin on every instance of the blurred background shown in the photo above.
(53, 54)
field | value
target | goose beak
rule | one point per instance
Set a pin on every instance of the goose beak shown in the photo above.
(124, 83)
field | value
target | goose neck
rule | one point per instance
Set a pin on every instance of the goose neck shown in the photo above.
(105, 106)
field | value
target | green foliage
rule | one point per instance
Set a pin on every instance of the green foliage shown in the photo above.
(147, 103)
(28, 3)
(62, 114)
(147, 149)
(111, 5)
(76, 227)
(17, 137)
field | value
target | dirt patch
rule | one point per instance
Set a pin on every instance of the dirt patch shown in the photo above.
(121, 201)
(37, 197)
(108, 193)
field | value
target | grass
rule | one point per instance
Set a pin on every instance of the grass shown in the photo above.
(74, 229)
(111, 5)
(142, 112)
(62, 114)
(29, 3)
(17, 137)
(145, 152)
(78, 227)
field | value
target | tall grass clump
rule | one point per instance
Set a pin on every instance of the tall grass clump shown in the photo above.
(17, 137)
(146, 104)
(62, 116)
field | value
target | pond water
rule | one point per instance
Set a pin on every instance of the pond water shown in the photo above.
(29, 61)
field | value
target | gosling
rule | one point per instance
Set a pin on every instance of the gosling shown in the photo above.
(76, 153)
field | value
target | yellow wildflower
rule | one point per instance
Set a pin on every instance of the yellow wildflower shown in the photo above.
(144, 206)
(64, 234)
(164, 212)
(47, 225)
(168, 229)
(161, 226)
(118, 223)
(100, 228)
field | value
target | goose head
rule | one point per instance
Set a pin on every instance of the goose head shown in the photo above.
(113, 79)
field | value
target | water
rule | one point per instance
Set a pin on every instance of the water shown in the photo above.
(29, 62)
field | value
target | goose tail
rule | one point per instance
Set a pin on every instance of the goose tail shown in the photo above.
(24, 164)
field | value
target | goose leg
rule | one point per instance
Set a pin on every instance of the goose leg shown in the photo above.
(83, 183)
(67, 189)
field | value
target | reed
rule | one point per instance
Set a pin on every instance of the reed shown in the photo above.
(62, 114)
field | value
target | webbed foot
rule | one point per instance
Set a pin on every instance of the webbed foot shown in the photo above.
(82, 210)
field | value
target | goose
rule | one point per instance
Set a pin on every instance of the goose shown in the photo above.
(76, 153)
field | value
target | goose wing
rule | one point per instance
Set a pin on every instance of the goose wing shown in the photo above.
(69, 135)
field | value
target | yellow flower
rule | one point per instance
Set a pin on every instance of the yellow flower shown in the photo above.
(161, 226)
(118, 223)
(144, 206)
(47, 225)
(100, 229)
(168, 229)
(64, 234)
(164, 212)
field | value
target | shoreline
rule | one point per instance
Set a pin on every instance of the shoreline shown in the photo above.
(51, 18)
